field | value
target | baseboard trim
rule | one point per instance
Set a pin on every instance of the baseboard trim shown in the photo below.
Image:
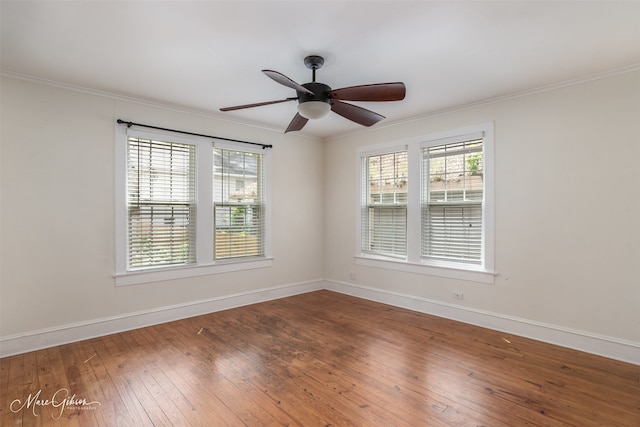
(613, 348)
(64, 334)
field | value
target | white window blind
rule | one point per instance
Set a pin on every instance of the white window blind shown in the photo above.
(160, 203)
(452, 197)
(239, 205)
(384, 204)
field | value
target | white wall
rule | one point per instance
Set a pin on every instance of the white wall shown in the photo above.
(57, 223)
(567, 210)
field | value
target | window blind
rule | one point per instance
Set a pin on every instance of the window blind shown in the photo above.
(239, 210)
(160, 203)
(384, 204)
(452, 197)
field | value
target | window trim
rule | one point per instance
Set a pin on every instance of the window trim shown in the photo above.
(205, 265)
(414, 262)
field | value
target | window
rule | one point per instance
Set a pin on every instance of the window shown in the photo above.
(188, 206)
(238, 204)
(427, 206)
(452, 195)
(160, 203)
(384, 215)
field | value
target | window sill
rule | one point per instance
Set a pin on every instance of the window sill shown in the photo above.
(449, 270)
(172, 273)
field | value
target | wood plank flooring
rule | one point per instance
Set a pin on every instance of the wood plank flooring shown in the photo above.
(318, 359)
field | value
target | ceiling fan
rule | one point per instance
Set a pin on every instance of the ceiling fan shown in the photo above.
(315, 100)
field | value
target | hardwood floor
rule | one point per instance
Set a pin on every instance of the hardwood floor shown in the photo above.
(316, 359)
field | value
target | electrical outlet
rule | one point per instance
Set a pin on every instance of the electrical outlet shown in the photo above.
(458, 295)
(352, 276)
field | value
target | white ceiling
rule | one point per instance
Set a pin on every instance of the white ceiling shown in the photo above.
(208, 54)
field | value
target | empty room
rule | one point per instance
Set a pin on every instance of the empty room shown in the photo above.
(320, 213)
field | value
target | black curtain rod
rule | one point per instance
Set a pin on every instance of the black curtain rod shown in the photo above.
(129, 124)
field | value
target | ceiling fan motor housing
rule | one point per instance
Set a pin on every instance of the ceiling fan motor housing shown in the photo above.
(320, 93)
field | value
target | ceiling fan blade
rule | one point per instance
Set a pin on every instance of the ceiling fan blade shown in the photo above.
(284, 80)
(297, 123)
(259, 104)
(374, 92)
(355, 114)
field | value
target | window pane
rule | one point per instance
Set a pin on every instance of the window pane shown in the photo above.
(385, 231)
(238, 204)
(388, 178)
(238, 231)
(453, 232)
(161, 203)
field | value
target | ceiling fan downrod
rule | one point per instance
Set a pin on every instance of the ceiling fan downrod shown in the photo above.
(314, 62)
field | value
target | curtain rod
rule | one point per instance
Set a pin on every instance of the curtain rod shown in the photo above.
(129, 124)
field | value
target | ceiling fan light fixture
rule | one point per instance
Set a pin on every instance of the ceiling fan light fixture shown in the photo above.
(314, 109)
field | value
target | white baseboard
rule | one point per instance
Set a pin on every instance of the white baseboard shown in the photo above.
(614, 348)
(64, 334)
(610, 347)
